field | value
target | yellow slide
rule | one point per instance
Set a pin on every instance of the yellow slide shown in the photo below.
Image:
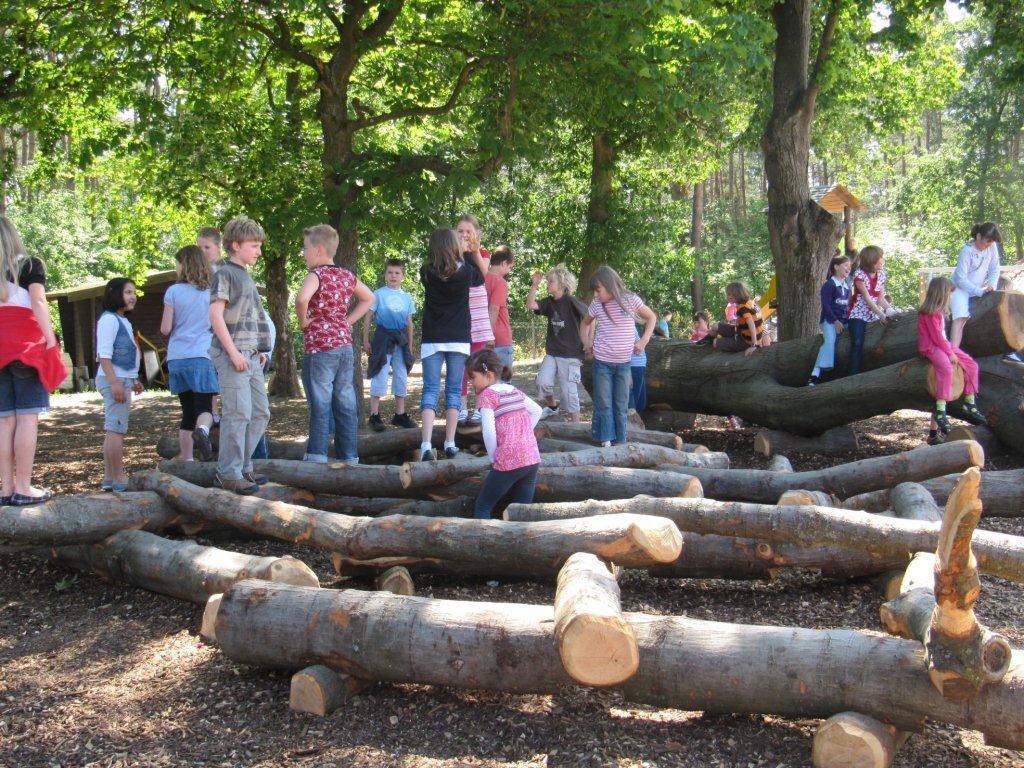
(768, 297)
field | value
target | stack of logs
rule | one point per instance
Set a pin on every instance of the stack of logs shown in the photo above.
(656, 504)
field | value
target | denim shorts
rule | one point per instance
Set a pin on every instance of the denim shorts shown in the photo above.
(115, 414)
(21, 392)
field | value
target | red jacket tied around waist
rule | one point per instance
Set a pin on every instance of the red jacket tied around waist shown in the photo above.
(21, 339)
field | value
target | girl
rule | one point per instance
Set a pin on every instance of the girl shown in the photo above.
(192, 377)
(932, 344)
(507, 419)
(746, 334)
(867, 301)
(117, 376)
(701, 325)
(835, 312)
(615, 310)
(977, 273)
(481, 329)
(30, 366)
(446, 279)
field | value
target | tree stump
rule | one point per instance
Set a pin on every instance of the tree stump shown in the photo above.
(853, 740)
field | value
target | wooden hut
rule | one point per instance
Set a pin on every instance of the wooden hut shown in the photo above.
(81, 306)
(839, 200)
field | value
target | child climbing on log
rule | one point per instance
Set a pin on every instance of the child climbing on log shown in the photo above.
(615, 310)
(117, 376)
(933, 344)
(392, 309)
(563, 345)
(447, 277)
(745, 335)
(867, 302)
(835, 313)
(480, 329)
(507, 419)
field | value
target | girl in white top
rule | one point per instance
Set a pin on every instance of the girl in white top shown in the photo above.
(977, 273)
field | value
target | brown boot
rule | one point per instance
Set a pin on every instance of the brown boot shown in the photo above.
(239, 485)
(255, 477)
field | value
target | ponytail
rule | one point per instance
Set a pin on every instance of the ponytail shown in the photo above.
(988, 231)
(487, 361)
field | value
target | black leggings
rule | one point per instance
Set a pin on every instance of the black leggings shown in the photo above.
(194, 405)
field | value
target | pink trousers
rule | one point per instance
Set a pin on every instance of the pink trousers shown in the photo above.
(944, 372)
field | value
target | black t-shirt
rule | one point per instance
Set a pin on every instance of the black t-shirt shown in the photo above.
(32, 271)
(564, 316)
(446, 304)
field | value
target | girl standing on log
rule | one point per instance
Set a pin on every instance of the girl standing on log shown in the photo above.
(615, 310)
(835, 311)
(977, 273)
(932, 344)
(868, 301)
(507, 419)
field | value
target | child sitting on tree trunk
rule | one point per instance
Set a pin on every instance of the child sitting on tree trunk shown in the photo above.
(745, 335)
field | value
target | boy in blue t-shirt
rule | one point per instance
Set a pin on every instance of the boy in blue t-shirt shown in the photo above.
(393, 309)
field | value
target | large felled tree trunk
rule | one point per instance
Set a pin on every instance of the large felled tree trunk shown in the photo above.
(1000, 494)
(1001, 399)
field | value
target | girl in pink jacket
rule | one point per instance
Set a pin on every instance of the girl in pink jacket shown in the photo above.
(933, 344)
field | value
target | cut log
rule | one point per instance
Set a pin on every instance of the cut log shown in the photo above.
(582, 433)
(911, 501)
(832, 442)
(780, 463)
(504, 548)
(983, 436)
(427, 474)
(396, 580)
(319, 690)
(1000, 494)
(667, 420)
(180, 569)
(997, 553)
(853, 740)
(684, 663)
(596, 644)
(800, 498)
(551, 445)
(208, 624)
(1001, 399)
(842, 480)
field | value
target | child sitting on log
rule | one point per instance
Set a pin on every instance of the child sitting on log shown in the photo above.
(507, 419)
(867, 302)
(835, 312)
(701, 325)
(745, 335)
(933, 344)
(392, 308)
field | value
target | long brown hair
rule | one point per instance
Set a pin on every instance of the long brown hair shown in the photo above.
(487, 361)
(609, 279)
(195, 270)
(444, 252)
(936, 298)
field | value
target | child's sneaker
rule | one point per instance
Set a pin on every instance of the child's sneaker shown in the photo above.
(427, 455)
(463, 415)
(474, 417)
(201, 441)
(813, 381)
(933, 440)
(376, 422)
(451, 451)
(105, 485)
(943, 421)
(548, 410)
(404, 421)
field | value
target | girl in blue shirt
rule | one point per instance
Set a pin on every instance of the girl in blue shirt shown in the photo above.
(835, 311)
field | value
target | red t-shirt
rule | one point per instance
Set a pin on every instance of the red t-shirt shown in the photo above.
(497, 296)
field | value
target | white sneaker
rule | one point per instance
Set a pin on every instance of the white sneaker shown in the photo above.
(474, 418)
(463, 415)
(547, 410)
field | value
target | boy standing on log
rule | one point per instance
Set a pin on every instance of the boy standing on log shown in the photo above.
(391, 349)
(241, 338)
(497, 302)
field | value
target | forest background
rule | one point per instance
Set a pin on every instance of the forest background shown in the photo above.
(625, 132)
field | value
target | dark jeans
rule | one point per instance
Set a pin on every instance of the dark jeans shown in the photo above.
(503, 488)
(260, 452)
(194, 405)
(857, 330)
(638, 392)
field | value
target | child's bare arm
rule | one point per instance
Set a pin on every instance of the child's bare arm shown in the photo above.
(306, 291)
(650, 321)
(408, 330)
(531, 296)
(41, 312)
(220, 330)
(753, 334)
(167, 320)
(364, 298)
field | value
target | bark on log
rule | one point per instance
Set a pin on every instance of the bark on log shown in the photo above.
(853, 740)
(1001, 399)
(1000, 494)
(427, 474)
(684, 663)
(842, 480)
(551, 445)
(581, 433)
(831, 442)
(581, 483)
(660, 420)
(180, 569)
(596, 644)
(997, 553)
(504, 548)
(319, 690)
(780, 463)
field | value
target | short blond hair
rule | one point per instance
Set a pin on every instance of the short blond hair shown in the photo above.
(322, 235)
(242, 230)
(561, 275)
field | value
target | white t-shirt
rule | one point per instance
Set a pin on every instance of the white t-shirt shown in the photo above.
(106, 332)
(974, 268)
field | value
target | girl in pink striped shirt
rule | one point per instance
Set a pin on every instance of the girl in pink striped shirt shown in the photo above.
(507, 419)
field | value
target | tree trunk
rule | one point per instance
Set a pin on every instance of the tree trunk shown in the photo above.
(910, 501)
(696, 241)
(833, 442)
(602, 169)
(684, 663)
(1001, 399)
(982, 435)
(285, 381)
(1000, 494)
(551, 445)
(503, 547)
(581, 432)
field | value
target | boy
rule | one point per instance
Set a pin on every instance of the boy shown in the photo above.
(209, 243)
(325, 320)
(393, 309)
(497, 302)
(663, 325)
(240, 341)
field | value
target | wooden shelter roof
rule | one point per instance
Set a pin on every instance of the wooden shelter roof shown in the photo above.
(94, 289)
(836, 198)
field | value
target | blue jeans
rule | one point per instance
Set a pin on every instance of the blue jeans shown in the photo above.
(611, 401)
(455, 365)
(261, 451)
(638, 392)
(505, 354)
(857, 330)
(499, 489)
(327, 378)
(827, 354)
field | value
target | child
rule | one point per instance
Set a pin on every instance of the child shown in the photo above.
(563, 345)
(701, 325)
(507, 419)
(208, 242)
(327, 366)
(614, 309)
(663, 325)
(1011, 358)
(745, 335)
(867, 301)
(497, 302)
(238, 352)
(393, 309)
(730, 311)
(976, 273)
(481, 332)
(30, 366)
(447, 278)
(835, 311)
(191, 376)
(637, 372)
(932, 344)
(117, 376)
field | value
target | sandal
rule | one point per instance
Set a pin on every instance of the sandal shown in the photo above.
(943, 421)
(969, 412)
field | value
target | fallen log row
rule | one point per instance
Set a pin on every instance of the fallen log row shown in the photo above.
(684, 663)
(780, 463)
(629, 541)
(997, 553)
(1000, 494)
(842, 480)
(568, 430)
(832, 442)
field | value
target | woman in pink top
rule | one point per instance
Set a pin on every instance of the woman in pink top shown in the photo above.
(507, 419)
(933, 344)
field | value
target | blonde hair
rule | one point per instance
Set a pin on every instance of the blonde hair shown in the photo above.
(561, 275)
(609, 279)
(12, 255)
(322, 235)
(444, 252)
(738, 291)
(209, 233)
(242, 230)
(195, 269)
(936, 298)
